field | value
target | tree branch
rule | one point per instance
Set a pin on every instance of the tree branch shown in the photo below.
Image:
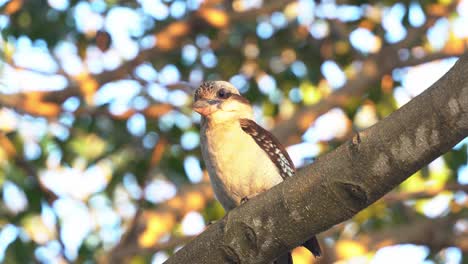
(429, 193)
(341, 183)
(435, 233)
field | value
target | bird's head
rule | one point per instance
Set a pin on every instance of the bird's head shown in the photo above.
(220, 101)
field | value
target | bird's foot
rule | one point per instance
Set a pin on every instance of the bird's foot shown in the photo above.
(244, 200)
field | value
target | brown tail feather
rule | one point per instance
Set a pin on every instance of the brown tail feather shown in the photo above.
(313, 246)
(284, 259)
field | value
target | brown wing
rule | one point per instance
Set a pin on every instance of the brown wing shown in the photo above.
(276, 152)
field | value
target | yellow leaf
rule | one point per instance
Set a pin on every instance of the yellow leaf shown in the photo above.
(215, 17)
(194, 201)
(310, 93)
(439, 175)
(88, 146)
(302, 256)
(158, 224)
(291, 10)
(445, 2)
(176, 203)
(378, 209)
(287, 109)
(137, 260)
(415, 183)
(37, 229)
(347, 249)
(88, 86)
(454, 45)
(420, 205)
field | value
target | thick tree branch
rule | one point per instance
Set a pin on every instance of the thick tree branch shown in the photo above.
(341, 183)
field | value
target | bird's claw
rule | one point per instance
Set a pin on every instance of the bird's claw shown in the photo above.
(244, 200)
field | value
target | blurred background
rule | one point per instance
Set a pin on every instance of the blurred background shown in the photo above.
(99, 148)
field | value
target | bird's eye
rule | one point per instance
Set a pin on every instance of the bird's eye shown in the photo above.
(223, 94)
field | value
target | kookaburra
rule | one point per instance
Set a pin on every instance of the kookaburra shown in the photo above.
(242, 158)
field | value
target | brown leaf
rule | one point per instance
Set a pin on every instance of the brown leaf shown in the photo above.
(13, 7)
(7, 146)
(156, 111)
(177, 29)
(158, 151)
(33, 104)
(164, 41)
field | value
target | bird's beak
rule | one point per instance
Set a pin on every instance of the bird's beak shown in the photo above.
(205, 107)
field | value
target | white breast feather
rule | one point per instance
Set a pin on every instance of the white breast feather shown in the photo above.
(238, 167)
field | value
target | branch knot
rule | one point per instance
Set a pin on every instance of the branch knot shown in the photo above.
(351, 194)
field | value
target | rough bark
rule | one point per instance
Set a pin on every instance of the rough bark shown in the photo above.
(341, 183)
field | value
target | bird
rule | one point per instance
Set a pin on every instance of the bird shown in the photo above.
(242, 158)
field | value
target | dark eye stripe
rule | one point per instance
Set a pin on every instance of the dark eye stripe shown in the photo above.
(223, 94)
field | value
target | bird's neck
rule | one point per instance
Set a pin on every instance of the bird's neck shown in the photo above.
(225, 119)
